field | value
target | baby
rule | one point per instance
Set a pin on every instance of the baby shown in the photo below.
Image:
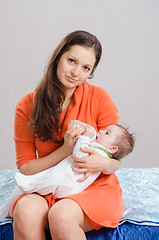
(114, 141)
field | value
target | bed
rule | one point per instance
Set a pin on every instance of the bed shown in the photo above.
(141, 196)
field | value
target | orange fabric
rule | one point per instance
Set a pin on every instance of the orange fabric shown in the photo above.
(102, 201)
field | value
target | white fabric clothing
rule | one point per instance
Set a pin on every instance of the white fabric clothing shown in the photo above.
(59, 180)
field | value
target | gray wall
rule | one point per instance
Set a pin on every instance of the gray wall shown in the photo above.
(129, 33)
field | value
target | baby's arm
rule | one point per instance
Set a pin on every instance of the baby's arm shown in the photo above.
(82, 141)
(83, 180)
(90, 132)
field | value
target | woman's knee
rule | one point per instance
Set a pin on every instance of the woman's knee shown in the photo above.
(65, 215)
(58, 215)
(30, 211)
(60, 220)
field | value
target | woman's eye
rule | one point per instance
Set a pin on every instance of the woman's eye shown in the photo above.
(107, 133)
(71, 60)
(86, 68)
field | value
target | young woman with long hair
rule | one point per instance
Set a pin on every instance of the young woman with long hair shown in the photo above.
(42, 140)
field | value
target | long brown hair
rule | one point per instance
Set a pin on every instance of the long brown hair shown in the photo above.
(50, 92)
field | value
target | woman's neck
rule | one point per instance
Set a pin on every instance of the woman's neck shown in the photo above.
(69, 95)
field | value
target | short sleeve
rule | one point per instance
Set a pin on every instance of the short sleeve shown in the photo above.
(24, 139)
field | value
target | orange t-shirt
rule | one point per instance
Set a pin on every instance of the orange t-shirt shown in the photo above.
(102, 201)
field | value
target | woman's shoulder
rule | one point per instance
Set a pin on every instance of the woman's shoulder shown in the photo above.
(97, 91)
(25, 104)
(101, 99)
(26, 99)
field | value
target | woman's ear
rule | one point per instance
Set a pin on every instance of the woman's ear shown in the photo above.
(112, 149)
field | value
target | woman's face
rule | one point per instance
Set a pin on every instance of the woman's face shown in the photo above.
(75, 66)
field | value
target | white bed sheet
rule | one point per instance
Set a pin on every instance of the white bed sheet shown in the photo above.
(140, 192)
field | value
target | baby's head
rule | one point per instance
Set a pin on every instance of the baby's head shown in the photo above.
(117, 140)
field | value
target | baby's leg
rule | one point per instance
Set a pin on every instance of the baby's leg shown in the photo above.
(5, 209)
(27, 183)
(51, 182)
(46, 181)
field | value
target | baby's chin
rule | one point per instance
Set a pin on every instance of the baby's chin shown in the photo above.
(99, 142)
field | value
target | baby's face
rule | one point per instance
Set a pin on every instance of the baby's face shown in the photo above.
(108, 136)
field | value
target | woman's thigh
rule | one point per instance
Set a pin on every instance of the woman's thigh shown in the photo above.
(66, 212)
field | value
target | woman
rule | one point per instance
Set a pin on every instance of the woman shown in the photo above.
(41, 122)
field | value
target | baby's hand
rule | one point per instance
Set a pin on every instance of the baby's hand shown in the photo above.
(89, 131)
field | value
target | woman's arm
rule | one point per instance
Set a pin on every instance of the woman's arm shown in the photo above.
(40, 164)
(94, 163)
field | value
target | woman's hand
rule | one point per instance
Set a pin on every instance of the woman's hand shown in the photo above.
(71, 136)
(95, 162)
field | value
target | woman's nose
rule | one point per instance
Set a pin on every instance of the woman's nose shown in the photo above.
(75, 71)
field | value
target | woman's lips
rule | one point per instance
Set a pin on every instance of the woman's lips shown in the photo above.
(71, 79)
